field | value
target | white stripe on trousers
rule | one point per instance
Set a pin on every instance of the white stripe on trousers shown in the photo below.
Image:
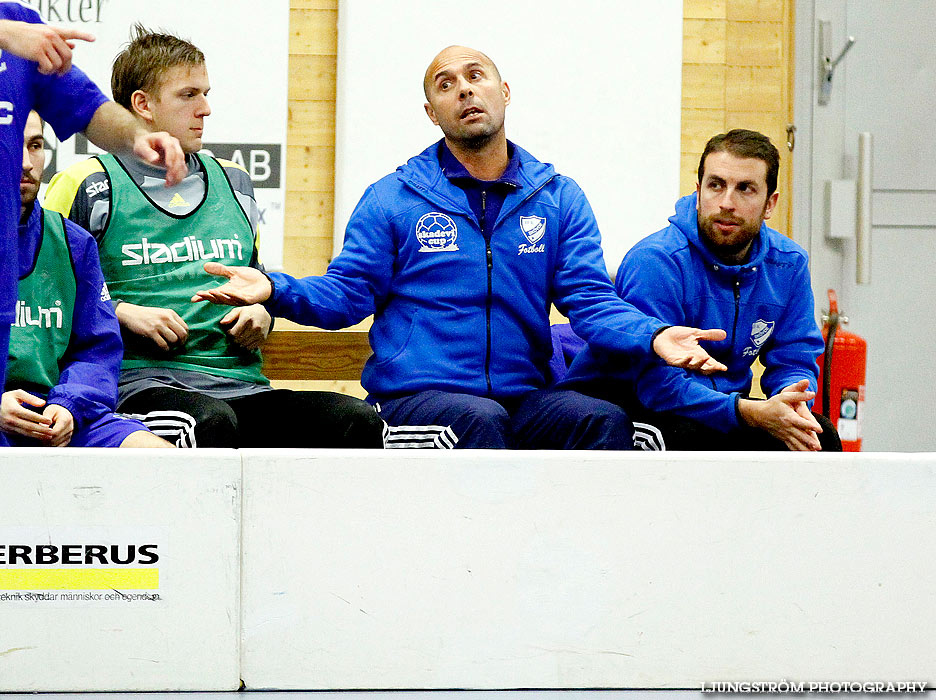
(440, 437)
(177, 427)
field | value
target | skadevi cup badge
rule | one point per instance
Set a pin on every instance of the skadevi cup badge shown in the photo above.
(436, 233)
(80, 567)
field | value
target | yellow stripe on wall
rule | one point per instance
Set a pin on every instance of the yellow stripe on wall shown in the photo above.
(78, 579)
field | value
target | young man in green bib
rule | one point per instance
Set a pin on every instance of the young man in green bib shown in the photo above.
(65, 344)
(190, 373)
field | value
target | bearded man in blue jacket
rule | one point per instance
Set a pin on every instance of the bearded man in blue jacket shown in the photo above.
(459, 254)
(718, 264)
(65, 346)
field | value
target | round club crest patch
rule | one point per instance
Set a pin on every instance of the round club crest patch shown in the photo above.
(436, 232)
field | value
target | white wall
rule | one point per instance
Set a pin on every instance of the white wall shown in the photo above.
(595, 89)
(176, 631)
(571, 570)
(474, 569)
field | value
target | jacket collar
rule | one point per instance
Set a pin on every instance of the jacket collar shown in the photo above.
(453, 169)
(423, 173)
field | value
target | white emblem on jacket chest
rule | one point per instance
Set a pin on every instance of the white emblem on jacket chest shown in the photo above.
(436, 232)
(760, 331)
(534, 228)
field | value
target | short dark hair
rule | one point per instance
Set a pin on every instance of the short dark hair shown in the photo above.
(744, 143)
(142, 63)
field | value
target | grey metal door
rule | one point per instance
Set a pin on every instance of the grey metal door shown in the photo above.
(886, 86)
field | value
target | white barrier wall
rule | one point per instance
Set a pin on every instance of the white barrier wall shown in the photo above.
(119, 570)
(507, 570)
(474, 570)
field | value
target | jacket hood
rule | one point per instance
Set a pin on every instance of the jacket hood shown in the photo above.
(422, 172)
(686, 220)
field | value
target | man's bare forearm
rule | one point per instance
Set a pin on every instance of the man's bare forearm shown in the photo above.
(114, 129)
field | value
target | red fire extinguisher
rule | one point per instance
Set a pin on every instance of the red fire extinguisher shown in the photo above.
(842, 366)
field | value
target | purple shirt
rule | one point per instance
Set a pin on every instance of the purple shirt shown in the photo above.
(485, 197)
(67, 103)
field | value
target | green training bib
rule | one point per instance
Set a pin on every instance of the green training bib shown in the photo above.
(45, 306)
(154, 258)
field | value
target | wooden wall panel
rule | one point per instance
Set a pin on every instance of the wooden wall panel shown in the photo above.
(309, 214)
(754, 44)
(688, 166)
(313, 4)
(705, 9)
(312, 78)
(754, 10)
(754, 89)
(310, 152)
(704, 41)
(310, 168)
(311, 31)
(311, 123)
(703, 84)
(698, 125)
(737, 73)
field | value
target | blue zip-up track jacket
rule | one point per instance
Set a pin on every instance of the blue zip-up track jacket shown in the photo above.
(458, 309)
(765, 306)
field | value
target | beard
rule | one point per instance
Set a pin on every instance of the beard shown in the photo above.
(729, 247)
(28, 194)
(476, 142)
(474, 139)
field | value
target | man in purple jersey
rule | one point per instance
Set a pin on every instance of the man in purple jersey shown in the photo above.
(36, 73)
